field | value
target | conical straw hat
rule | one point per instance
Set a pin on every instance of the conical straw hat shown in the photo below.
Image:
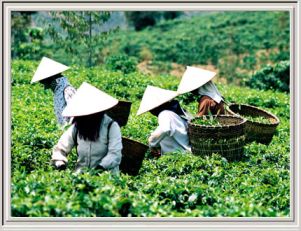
(48, 68)
(194, 78)
(88, 100)
(154, 97)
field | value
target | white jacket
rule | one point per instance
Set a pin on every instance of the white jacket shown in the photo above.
(104, 151)
(171, 134)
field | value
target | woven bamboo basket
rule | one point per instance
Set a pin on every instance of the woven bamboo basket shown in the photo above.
(255, 131)
(228, 139)
(120, 113)
(133, 153)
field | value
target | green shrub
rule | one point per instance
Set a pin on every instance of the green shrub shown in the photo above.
(272, 77)
(122, 62)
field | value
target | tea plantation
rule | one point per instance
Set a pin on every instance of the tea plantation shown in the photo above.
(177, 184)
(236, 43)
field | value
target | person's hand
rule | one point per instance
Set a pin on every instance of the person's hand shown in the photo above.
(155, 152)
(60, 165)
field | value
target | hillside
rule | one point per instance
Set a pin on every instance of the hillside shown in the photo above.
(233, 43)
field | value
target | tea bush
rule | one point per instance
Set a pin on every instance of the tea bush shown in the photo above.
(177, 184)
(122, 63)
(228, 40)
(275, 77)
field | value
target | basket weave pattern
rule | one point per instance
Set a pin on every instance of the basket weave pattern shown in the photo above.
(133, 153)
(231, 149)
(120, 113)
(227, 140)
(255, 131)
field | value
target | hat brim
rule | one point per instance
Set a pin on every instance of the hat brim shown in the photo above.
(154, 97)
(48, 68)
(88, 100)
(193, 78)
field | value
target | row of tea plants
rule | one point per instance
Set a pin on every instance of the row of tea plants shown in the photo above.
(237, 43)
(177, 184)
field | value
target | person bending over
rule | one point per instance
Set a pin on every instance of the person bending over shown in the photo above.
(95, 135)
(199, 82)
(171, 133)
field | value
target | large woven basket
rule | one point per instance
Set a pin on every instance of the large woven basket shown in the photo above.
(133, 153)
(227, 139)
(255, 131)
(120, 113)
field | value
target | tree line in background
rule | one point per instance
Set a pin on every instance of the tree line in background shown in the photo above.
(26, 39)
(74, 32)
(71, 31)
(142, 19)
(238, 44)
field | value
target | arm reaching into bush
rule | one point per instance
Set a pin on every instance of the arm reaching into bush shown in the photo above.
(63, 147)
(163, 130)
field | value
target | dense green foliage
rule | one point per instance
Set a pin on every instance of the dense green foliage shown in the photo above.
(177, 184)
(121, 63)
(275, 77)
(258, 119)
(235, 42)
(27, 40)
(76, 35)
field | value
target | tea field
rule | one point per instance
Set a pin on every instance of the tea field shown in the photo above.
(236, 43)
(177, 184)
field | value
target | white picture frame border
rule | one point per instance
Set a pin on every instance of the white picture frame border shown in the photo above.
(152, 223)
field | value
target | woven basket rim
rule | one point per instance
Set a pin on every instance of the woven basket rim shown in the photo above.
(190, 123)
(123, 137)
(258, 109)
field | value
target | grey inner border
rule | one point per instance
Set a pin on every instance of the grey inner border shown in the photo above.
(291, 6)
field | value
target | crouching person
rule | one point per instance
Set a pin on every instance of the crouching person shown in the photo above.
(94, 134)
(171, 134)
(199, 82)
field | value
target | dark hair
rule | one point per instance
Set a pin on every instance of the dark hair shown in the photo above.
(51, 78)
(172, 105)
(88, 126)
(50, 82)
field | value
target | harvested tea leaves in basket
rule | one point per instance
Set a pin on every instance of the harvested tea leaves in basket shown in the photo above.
(258, 119)
(211, 121)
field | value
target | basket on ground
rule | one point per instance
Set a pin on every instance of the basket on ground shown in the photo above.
(256, 131)
(227, 138)
(133, 153)
(120, 113)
